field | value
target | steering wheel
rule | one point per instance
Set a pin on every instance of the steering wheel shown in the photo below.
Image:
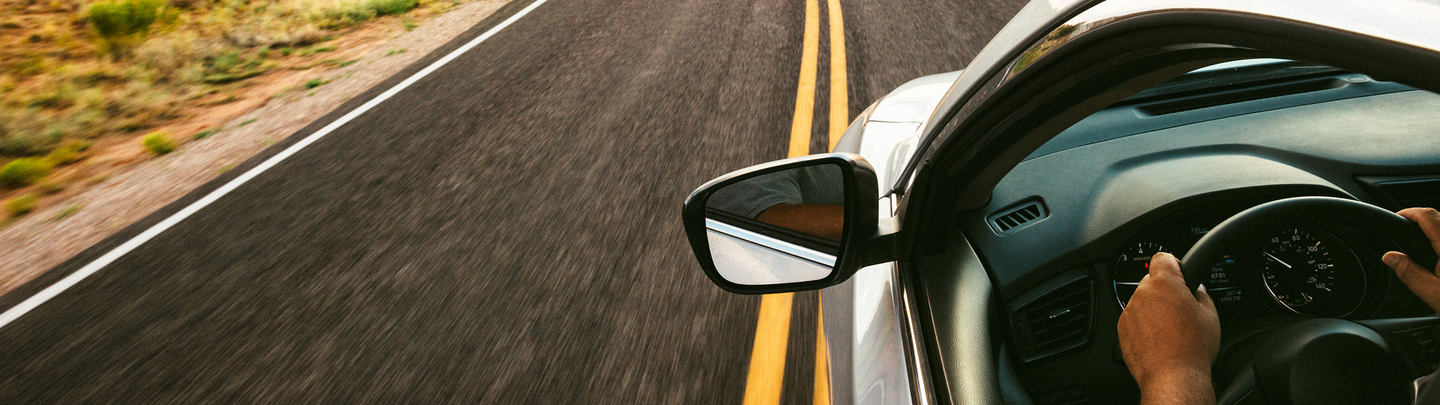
(1320, 361)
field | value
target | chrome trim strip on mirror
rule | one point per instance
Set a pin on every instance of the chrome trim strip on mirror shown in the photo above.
(772, 243)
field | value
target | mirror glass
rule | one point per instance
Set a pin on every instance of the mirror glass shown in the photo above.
(779, 227)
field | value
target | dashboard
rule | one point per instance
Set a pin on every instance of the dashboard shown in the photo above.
(1069, 231)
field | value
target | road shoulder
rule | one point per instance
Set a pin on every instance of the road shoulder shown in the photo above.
(44, 239)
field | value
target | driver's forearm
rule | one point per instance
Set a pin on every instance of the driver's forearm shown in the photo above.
(1179, 387)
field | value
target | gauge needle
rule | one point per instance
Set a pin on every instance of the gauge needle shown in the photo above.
(1272, 257)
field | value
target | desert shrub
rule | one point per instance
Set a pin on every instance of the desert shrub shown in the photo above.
(171, 54)
(67, 212)
(30, 66)
(20, 205)
(25, 143)
(59, 96)
(17, 144)
(23, 172)
(204, 134)
(158, 142)
(140, 105)
(350, 13)
(344, 16)
(121, 24)
(91, 99)
(389, 7)
(316, 82)
(68, 153)
(233, 66)
(226, 61)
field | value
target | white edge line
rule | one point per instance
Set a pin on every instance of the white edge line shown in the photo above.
(69, 281)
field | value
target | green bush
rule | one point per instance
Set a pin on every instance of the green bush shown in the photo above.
(234, 66)
(23, 144)
(158, 142)
(335, 19)
(61, 97)
(69, 153)
(355, 13)
(20, 205)
(389, 7)
(23, 172)
(122, 24)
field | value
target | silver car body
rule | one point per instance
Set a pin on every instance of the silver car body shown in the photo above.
(862, 313)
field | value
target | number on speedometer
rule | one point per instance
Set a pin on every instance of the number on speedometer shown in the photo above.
(1312, 273)
(1133, 265)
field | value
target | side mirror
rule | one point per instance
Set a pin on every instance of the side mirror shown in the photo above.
(790, 225)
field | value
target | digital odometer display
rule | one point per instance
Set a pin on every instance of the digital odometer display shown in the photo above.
(1312, 273)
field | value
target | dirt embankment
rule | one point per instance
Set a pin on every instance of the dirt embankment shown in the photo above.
(133, 184)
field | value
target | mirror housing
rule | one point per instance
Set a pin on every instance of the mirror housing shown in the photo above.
(757, 254)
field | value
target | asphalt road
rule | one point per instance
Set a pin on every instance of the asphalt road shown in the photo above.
(506, 230)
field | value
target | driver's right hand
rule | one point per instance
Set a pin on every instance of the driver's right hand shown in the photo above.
(1422, 281)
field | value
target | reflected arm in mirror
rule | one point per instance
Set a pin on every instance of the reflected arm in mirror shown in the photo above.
(806, 199)
(791, 225)
(816, 219)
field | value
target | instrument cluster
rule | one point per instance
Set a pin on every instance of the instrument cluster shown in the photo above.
(1301, 270)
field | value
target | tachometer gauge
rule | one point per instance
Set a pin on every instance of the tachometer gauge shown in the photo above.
(1133, 265)
(1312, 273)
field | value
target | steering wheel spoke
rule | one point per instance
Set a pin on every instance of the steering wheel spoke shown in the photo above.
(1241, 390)
(1417, 340)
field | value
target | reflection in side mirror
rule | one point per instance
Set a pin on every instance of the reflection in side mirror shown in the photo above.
(790, 225)
(749, 258)
(781, 227)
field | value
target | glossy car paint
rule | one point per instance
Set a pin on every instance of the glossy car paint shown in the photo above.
(868, 326)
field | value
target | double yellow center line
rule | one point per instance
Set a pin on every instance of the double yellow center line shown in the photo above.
(772, 332)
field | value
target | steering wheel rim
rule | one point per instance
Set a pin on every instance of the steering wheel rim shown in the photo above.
(1270, 369)
(1375, 222)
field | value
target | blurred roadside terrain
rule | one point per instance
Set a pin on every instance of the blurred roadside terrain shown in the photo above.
(112, 109)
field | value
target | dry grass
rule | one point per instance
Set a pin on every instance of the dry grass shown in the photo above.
(82, 72)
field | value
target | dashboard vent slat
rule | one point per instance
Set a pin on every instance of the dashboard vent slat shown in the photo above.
(1056, 321)
(1017, 217)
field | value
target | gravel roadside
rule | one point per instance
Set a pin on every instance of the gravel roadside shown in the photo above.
(41, 240)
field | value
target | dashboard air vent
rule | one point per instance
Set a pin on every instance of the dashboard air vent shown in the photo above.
(1023, 215)
(1054, 322)
(1412, 193)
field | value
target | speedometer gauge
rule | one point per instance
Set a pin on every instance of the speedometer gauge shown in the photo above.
(1312, 273)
